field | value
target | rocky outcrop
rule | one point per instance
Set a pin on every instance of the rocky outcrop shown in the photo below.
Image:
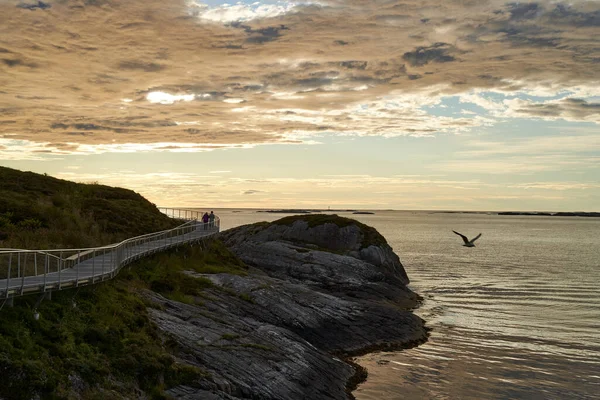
(315, 294)
(337, 235)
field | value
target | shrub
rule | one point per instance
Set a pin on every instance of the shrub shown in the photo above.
(5, 222)
(30, 224)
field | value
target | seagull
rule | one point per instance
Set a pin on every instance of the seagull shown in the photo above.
(468, 243)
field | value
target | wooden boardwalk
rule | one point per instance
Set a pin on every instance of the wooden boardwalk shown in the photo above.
(38, 271)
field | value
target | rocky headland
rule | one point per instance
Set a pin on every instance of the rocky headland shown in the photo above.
(319, 289)
(265, 311)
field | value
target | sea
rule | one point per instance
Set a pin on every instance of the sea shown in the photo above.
(516, 317)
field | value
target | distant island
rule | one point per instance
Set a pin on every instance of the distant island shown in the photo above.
(306, 211)
(526, 213)
(290, 211)
(541, 214)
(363, 212)
(556, 214)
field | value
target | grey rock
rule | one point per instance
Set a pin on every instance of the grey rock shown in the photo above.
(313, 296)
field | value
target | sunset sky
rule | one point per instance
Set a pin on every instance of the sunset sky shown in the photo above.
(379, 104)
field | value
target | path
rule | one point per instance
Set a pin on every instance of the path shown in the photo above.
(39, 271)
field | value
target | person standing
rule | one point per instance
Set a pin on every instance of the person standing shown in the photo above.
(211, 218)
(205, 220)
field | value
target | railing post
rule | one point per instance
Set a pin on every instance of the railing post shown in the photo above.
(46, 266)
(93, 265)
(35, 264)
(23, 272)
(77, 268)
(8, 277)
(60, 265)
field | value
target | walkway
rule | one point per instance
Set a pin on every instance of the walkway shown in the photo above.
(37, 271)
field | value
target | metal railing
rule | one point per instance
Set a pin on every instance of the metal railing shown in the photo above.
(31, 271)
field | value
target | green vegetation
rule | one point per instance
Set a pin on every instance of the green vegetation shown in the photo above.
(41, 212)
(102, 335)
(370, 235)
(230, 336)
(164, 273)
(95, 342)
(317, 219)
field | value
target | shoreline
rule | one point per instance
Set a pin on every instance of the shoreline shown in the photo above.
(362, 374)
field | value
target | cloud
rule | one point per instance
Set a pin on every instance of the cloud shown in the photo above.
(261, 35)
(168, 77)
(141, 65)
(559, 186)
(525, 11)
(570, 109)
(166, 98)
(438, 52)
(241, 12)
(526, 156)
(33, 5)
(348, 191)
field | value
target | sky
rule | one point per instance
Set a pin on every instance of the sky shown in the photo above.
(483, 105)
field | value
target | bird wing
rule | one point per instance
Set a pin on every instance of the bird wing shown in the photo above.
(462, 236)
(475, 238)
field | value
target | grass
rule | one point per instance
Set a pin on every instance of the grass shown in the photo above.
(41, 212)
(96, 342)
(105, 340)
(164, 273)
(370, 235)
(103, 334)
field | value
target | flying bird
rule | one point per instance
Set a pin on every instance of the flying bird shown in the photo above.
(468, 243)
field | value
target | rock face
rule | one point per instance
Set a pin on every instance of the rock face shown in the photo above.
(316, 292)
(355, 240)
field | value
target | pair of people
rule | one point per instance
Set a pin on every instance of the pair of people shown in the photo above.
(208, 220)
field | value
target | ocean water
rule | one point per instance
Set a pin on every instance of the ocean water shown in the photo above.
(516, 317)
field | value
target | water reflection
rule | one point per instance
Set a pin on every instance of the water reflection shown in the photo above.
(515, 318)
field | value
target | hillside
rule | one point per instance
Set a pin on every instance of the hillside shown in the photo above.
(270, 310)
(94, 342)
(41, 212)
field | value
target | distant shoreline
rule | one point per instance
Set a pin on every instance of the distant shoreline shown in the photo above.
(514, 213)
(556, 214)
(300, 211)
(358, 211)
(528, 213)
